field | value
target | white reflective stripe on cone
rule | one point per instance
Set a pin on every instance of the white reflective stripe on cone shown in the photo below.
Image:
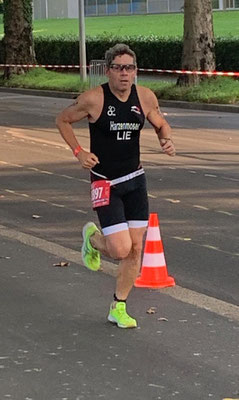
(153, 233)
(153, 260)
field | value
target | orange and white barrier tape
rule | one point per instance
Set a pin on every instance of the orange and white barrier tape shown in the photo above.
(182, 72)
(162, 71)
(39, 66)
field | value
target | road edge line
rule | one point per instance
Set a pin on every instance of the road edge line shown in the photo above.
(188, 296)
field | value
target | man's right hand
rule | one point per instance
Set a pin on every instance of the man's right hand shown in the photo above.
(87, 160)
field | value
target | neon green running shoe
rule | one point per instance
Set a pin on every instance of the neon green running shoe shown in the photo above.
(119, 316)
(90, 256)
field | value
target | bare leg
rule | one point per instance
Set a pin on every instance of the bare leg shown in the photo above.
(127, 247)
(129, 267)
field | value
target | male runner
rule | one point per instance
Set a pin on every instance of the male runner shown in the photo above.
(116, 112)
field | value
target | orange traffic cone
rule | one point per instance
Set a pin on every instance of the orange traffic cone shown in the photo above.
(154, 271)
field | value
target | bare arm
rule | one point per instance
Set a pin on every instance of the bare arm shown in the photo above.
(161, 126)
(64, 121)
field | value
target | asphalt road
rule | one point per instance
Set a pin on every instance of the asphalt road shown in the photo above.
(56, 343)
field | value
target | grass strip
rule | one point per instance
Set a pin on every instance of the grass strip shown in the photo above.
(46, 80)
(218, 90)
(225, 24)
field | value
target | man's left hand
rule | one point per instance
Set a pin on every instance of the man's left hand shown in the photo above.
(168, 146)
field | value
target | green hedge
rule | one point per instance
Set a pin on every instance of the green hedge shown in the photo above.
(152, 51)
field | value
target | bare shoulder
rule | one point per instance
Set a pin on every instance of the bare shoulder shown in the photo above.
(146, 94)
(87, 105)
(147, 99)
(90, 97)
(91, 103)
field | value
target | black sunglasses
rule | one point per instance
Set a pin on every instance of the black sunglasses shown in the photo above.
(121, 67)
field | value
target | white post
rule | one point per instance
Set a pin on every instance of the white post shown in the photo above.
(220, 4)
(82, 51)
(46, 9)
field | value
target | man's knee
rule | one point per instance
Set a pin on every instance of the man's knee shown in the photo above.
(119, 251)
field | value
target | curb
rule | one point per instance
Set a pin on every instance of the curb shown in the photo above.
(44, 93)
(200, 106)
(163, 103)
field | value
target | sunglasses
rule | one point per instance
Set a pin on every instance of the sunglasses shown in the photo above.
(121, 67)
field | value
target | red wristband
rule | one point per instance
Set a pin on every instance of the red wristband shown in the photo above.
(77, 150)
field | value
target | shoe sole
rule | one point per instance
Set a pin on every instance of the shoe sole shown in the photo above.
(113, 321)
(83, 234)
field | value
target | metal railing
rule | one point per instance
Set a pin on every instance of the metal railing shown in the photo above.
(97, 73)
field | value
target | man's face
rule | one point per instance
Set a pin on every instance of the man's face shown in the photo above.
(122, 72)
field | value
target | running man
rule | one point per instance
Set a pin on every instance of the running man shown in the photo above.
(116, 112)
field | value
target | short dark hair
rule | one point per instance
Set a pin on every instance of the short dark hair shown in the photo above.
(118, 50)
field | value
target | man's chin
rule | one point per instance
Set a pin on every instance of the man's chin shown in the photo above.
(124, 84)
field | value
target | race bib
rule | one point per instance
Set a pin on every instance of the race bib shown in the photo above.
(100, 193)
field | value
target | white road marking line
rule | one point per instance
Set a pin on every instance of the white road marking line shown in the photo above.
(13, 165)
(219, 307)
(81, 211)
(9, 191)
(224, 212)
(58, 205)
(45, 201)
(207, 246)
(230, 179)
(21, 133)
(46, 172)
(33, 169)
(181, 238)
(211, 176)
(174, 201)
(201, 207)
(67, 176)
(192, 172)
(203, 301)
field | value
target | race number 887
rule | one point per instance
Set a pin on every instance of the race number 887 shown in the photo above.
(96, 193)
(100, 193)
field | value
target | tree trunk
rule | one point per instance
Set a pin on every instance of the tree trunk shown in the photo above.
(198, 45)
(18, 38)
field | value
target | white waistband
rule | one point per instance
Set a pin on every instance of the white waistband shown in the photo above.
(122, 178)
(127, 177)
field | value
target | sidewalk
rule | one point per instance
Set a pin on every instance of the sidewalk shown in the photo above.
(163, 103)
(56, 342)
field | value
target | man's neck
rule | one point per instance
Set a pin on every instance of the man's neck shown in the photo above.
(122, 95)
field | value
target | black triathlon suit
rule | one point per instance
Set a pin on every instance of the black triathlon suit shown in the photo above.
(115, 140)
